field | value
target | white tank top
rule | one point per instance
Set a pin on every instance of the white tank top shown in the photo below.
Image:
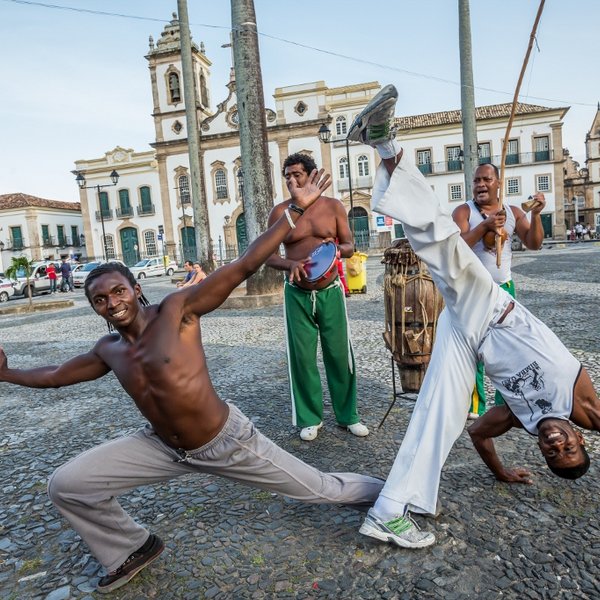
(488, 257)
(530, 367)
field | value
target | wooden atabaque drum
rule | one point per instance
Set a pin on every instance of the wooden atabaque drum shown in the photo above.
(412, 307)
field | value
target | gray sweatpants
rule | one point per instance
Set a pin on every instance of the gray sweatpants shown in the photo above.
(85, 488)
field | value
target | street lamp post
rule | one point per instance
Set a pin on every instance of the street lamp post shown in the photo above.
(114, 177)
(325, 137)
(184, 197)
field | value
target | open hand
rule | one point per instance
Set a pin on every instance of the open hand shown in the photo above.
(315, 185)
(297, 271)
(516, 475)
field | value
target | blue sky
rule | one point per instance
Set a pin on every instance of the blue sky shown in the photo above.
(75, 84)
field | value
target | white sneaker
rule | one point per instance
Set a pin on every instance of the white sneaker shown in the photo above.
(402, 531)
(374, 125)
(308, 434)
(358, 429)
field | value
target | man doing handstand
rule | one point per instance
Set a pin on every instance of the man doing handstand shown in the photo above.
(542, 383)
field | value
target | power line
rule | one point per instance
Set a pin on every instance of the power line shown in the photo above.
(299, 45)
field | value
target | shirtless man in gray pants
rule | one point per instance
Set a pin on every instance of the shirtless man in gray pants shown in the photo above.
(157, 356)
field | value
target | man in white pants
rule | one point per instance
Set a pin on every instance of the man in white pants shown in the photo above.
(480, 321)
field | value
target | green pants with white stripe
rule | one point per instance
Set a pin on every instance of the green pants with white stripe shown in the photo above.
(308, 316)
(478, 397)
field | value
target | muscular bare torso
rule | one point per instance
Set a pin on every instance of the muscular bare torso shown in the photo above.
(164, 370)
(320, 222)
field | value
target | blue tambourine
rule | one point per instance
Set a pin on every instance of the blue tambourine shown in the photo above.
(322, 262)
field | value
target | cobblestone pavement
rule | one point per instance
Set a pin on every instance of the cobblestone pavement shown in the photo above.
(227, 541)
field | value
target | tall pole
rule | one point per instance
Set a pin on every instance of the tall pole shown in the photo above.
(350, 192)
(253, 136)
(98, 188)
(199, 206)
(467, 96)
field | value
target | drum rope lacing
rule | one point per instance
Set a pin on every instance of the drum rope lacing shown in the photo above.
(400, 277)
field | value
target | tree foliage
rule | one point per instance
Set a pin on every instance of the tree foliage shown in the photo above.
(20, 264)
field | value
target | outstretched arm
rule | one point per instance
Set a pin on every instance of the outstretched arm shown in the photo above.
(495, 422)
(84, 367)
(215, 289)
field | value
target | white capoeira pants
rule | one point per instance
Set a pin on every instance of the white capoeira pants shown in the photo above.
(473, 303)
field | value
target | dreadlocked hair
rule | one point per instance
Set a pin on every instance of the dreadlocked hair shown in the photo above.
(112, 267)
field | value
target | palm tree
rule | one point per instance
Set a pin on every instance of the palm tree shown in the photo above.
(21, 264)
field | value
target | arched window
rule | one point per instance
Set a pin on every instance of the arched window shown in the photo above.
(104, 206)
(203, 90)
(124, 204)
(110, 247)
(150, 243)
(363, 165)
(341, 126)
(343, 167)
(174, 87)
(146, 206)
(240, 179)
(183, 183)
(221, 184)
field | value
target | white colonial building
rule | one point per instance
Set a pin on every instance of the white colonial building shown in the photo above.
(40, 229)
(534, 160)
(149, 212)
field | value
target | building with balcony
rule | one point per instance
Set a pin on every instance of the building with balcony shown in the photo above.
(125, 213)
(149, 212)
(40, 229)
(534, 159)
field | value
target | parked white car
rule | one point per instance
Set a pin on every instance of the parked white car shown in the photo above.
(7, 289)
(153, 267)
(80, 274)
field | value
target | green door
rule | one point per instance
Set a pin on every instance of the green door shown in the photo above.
(188, 243)
(547, 225)
(129, 245)
(241, 234)
(359, 224)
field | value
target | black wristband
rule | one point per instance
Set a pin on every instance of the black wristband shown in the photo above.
(297, 209)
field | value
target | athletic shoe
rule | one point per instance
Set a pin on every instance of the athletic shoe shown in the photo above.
(358, 429)
(402, 531)
(308, 434)
(132, 566)
(374, 124)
